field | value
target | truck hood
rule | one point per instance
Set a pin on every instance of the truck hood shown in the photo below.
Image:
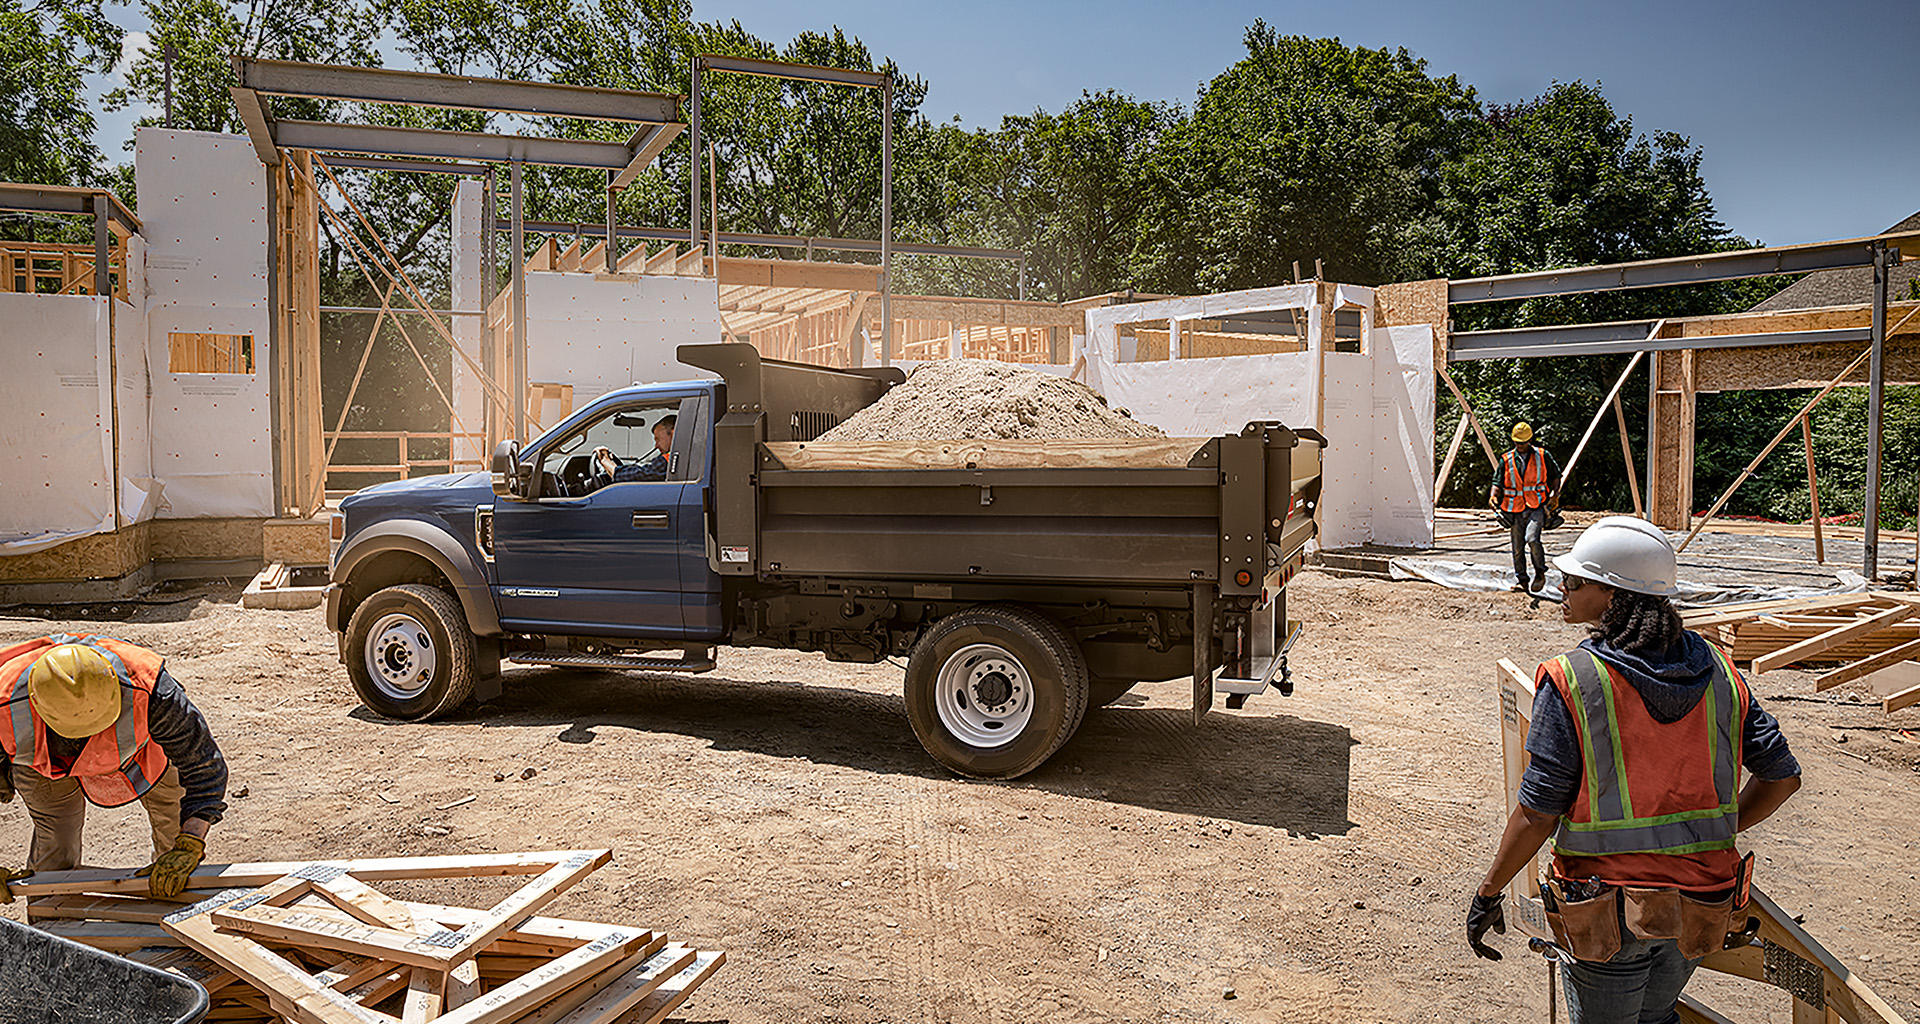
(421, 492)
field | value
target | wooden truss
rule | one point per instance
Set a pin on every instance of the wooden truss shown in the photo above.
(1872, 639)
(315, 943)
(1771, 948)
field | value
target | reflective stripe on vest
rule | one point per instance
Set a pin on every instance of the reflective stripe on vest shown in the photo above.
(1613, 827)
(112, 770)
(1524, 488)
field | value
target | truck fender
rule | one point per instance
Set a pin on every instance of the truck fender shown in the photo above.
(432, 543)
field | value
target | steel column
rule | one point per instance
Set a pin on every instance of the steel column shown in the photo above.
(613, 238)
(886, 222)
(693, 158)
(1876, 390)
(518, 358)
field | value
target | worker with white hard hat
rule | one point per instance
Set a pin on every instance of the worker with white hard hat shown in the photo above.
(95, 720)
(1526, 487)
(1637, 740)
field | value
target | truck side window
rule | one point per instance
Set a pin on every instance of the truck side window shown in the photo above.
(690, 440)
(629, 435)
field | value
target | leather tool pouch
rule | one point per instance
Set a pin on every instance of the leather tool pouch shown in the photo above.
(1589, 929)
(1697, 926)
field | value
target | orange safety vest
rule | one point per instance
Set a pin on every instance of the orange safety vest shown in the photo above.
(1658, 803)
(116, 766)
(1523, 489)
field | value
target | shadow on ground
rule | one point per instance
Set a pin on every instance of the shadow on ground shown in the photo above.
(1276, 771)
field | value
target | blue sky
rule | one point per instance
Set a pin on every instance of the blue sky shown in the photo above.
(1805, 112)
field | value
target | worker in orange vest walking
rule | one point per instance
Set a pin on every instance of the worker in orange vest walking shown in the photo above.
(1527, 484)
(94, 720)
(1637, 741)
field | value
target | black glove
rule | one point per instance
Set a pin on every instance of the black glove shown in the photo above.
(1486, 912)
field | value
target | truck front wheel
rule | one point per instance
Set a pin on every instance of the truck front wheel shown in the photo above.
(993, 691)
(409, 652)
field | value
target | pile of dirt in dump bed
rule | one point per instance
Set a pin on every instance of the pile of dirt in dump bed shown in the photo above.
(975, 399)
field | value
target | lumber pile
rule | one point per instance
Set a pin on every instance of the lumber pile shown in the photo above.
(1873, 638)
(316, 943)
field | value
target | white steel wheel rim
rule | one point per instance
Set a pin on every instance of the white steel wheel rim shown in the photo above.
(400, 656)
(984, 696)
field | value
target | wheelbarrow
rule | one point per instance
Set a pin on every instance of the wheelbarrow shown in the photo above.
(45, 979)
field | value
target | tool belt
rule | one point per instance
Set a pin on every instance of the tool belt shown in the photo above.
(1587, 919)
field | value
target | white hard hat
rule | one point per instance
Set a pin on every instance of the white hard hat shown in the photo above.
(1624, 552)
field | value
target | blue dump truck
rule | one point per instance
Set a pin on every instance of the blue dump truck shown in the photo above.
(1022, 581)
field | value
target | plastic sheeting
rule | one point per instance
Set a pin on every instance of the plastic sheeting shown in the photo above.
(1455, 575)
(205, 223)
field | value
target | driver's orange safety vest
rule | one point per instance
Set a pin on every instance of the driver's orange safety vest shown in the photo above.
(118, 764)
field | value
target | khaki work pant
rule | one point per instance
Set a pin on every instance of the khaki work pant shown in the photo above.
(59, 809)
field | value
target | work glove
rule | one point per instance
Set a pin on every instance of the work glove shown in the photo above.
(168, 874)
(1486, 912)
(10, 875)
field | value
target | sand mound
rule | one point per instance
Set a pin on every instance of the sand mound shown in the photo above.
(976, 399)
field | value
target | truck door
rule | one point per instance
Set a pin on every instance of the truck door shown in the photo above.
(598, 553)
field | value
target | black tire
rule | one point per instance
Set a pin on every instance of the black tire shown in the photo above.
(410, 654)
(1102, 692)
(1000, 652)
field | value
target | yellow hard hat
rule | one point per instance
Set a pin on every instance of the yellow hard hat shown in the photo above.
(1522, 432)
(75, 690)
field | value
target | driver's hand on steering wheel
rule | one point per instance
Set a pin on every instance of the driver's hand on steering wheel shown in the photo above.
(603, 456)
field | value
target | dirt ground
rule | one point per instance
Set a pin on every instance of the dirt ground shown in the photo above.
(1314, 854)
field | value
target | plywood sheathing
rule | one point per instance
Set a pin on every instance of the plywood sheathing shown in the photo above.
(105, 556)
(1800, 366)
(1415, 302)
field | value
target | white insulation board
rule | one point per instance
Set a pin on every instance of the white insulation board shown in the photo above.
(1377, 471)
(205, 224)
(469, 396)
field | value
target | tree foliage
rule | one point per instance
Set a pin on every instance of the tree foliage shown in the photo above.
(46, 118)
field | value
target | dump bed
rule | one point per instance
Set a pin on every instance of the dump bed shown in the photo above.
(1157, 512)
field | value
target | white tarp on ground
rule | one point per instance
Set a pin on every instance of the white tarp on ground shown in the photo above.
(1377, 473)
(205, 224)
(1457, 575)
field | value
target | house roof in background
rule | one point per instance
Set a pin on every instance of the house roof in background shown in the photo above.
(1850, 287)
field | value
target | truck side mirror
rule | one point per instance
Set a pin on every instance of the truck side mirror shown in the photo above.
(509, 476)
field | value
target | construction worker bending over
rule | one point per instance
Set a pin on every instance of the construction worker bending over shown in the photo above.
(90, 719)
(1636, 741)
(1527, 484)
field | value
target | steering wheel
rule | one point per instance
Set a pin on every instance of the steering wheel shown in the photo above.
(577, 476)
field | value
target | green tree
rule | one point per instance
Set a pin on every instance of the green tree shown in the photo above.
(1305, 149)
(46, 121)
(1061, 188)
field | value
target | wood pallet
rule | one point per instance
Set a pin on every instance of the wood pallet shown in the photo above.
(1872, 638)
(316, 943)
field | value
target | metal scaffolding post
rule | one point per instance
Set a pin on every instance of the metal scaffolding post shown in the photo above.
(886, 222)
(693, 157)
(1876, 391)
(518, 357)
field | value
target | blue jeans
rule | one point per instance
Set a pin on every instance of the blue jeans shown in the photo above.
(1528, 525)
(1640, 985)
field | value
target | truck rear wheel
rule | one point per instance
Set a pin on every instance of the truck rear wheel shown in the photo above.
(993, 691)
(410, 654)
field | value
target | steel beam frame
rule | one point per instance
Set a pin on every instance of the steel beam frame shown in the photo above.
(28, 198)
(832, 76)
(388, 140)
(452, 92)
(554, 227)
(1718, 266)
(399, 164)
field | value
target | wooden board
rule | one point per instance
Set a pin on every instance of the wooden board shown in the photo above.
(1118, 453)
(1515, 690)
(258, 873)
(305, 999)
(1833, 638)
(675, 990)
(1867, 666)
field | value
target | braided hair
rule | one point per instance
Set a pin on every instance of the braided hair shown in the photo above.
(1639, 622)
